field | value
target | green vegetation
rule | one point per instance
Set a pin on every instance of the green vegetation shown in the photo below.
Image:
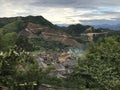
(15, 26)
(38, 20)
(23, 42)
(12, 27)
(9, 34)
(35, 19)
(77, 29)
(99, 68)
(19, 71)
(41, 44)
(5, 21)
(7, 40)
(17, 67)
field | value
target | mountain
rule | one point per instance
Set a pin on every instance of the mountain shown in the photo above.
(35, 32)
(112, 27)
(35, 19)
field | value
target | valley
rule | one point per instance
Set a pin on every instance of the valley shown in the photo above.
(36, 53)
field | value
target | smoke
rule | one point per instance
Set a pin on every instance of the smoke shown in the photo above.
(77, 52)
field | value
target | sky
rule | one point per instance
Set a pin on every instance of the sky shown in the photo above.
(87, 12)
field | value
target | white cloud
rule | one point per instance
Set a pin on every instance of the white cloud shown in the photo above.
(63, 11)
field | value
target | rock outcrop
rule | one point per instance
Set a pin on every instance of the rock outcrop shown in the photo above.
(49, 34)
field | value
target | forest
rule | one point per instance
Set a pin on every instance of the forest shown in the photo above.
(96, 69)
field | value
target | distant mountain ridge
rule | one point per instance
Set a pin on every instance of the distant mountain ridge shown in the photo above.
(39, 33)
(112, 27)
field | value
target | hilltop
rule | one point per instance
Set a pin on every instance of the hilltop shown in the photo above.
(35, 32)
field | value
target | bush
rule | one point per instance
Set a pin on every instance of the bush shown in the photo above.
(99, 68)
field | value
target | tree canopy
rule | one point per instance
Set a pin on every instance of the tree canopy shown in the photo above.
(99, 68)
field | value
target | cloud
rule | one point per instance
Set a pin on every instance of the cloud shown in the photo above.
(64, 11)
(101, 21)
(77, 3)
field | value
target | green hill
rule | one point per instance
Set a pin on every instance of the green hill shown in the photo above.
(35, 32)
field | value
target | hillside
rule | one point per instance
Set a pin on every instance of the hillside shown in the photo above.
(35, 19)
(36, 53)
(35, 32)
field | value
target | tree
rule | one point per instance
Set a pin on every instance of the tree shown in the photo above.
(15, 26)
(99, 68)
(9, 40)
(1, 40)
(18, 67)
(23, 42)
